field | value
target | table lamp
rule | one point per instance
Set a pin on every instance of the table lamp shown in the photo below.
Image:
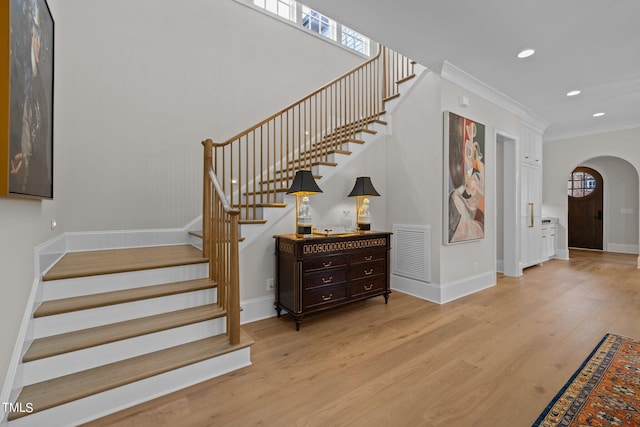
(303, 185)
(363, 188)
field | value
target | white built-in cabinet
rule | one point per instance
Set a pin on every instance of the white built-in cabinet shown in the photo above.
(532, 250)
(531, 147)
(548, 232)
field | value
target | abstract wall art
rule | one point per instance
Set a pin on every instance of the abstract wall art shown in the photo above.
(464, 179)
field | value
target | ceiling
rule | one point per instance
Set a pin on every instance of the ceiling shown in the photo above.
(587, 45)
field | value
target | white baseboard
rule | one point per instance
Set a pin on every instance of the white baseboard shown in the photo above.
(467, 286)
(416, 288)
(443, 293)
(257, 309)
(622, 248)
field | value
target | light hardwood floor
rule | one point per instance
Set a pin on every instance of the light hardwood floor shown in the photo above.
(494, 359)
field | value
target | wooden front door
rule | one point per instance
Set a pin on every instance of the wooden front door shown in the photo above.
(585, 209)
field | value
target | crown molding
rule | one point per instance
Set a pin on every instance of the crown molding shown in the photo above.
(466, 81)
(613, 127)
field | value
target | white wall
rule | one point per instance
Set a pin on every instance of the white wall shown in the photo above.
(562, 156)
(138, 85)
(146, 81)
(415, 180)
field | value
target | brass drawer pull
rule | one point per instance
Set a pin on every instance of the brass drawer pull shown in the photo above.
(368, 272)
(327, 298)
(327, 280)
(327, 264)
(368, 288)
(368, 258)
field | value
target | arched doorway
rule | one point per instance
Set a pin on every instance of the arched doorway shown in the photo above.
(585, 217)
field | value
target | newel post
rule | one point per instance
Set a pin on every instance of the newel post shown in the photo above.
(233, 312)
(206, 197)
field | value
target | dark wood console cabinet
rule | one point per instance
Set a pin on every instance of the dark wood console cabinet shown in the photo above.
(321, 272)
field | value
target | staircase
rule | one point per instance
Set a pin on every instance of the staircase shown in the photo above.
(319, 132)
(114, 328)
(118, 327)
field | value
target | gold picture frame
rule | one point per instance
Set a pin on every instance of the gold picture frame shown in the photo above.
(26, 99)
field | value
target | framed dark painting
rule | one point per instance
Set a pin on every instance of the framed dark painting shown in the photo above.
(26, 114)
(464, 192)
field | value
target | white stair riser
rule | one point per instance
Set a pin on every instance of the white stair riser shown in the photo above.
(64, 364)
(67, 322)
(65, 288)
(108, 402)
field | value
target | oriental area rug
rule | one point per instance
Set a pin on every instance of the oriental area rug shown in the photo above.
(605, 391)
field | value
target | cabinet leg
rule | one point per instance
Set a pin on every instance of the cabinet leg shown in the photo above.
(386, 298)
(298, 324)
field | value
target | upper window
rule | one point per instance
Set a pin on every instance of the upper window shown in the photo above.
(580, 184)
(302, 16)
(283, 8)
(354, 40)
(318, 23)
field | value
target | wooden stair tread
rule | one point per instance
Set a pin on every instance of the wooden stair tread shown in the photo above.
(92, 263)
(319, 151)
(91, 337)
(390, 98)
(364, 120)
(369, 131)
(67, 305)
(409, 77)
(252, 221)
(58, 391)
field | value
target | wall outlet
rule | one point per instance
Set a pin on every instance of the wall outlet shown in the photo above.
(270, 285)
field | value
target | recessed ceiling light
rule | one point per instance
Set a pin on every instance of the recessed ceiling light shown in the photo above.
(573, 93)
(598, 115)
(526, 53)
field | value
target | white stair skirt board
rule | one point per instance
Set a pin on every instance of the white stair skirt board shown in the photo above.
(102, 404)
(92, 357)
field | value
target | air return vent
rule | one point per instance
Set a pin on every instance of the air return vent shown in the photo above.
(411, 245)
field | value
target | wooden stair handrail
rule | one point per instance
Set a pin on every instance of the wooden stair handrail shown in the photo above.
(254, 165)
(298, 102)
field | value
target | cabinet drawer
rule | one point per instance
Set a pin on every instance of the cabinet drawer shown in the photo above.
(324, 278)
(324, 262)
(364, 287)
(365, 270)
(368, 256)
(324, 297)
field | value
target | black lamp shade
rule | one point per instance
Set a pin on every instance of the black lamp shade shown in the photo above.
(363, 187)
(304, 182)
